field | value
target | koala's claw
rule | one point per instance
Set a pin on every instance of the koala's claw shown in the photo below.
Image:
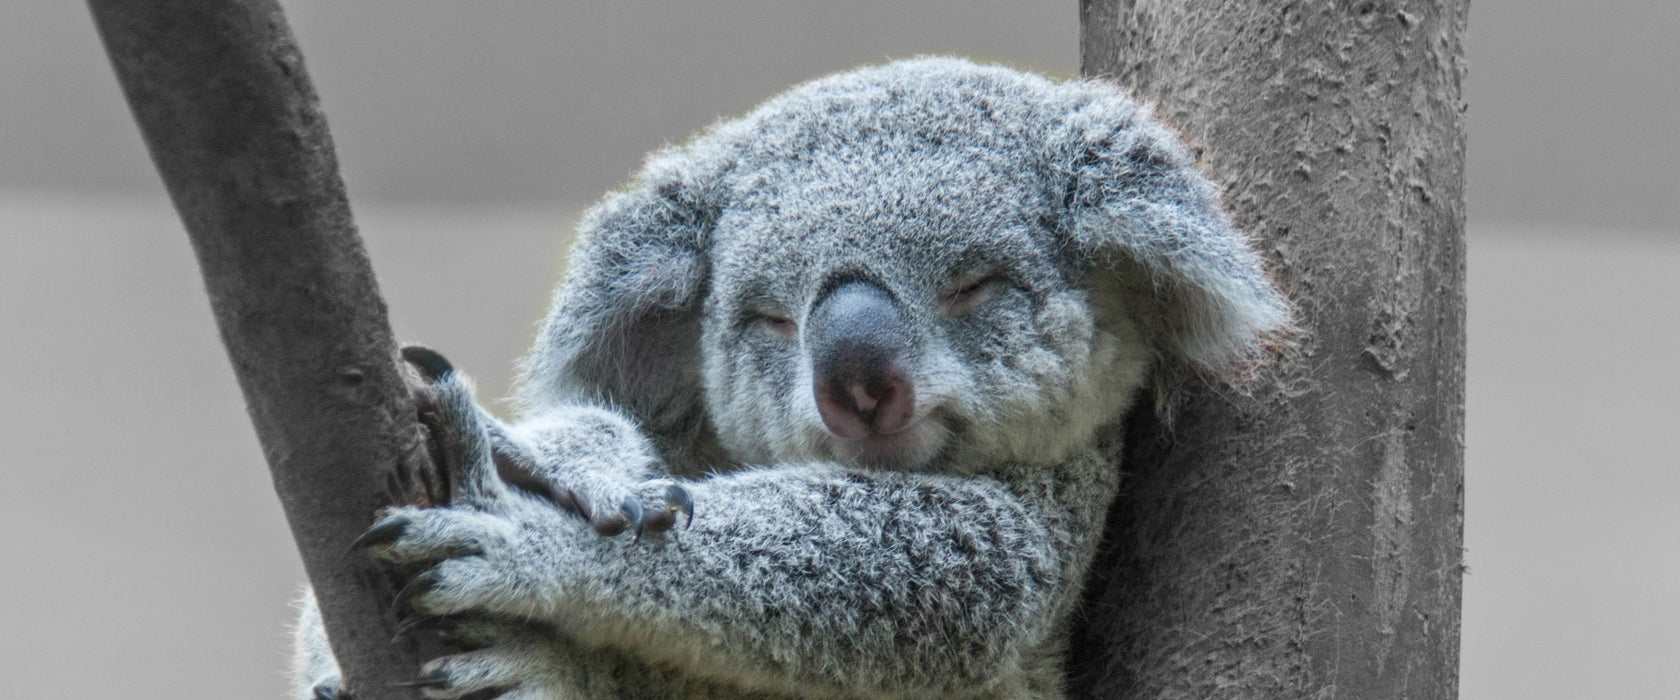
(633, 508)
(632, 516)
(432, 365)
(678, 500)
(421, 623)
(330, 691)
(445, 683)
(386, 533)
(628, 517)
(382, 533)
(518, 661)
(436, 679)
(418, 586)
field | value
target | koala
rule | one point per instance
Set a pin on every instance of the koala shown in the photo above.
(816, 410)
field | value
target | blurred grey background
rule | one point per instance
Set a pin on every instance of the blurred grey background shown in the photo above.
(143, 554)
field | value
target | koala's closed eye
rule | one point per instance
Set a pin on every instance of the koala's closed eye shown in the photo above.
(758, 320)
(970, 291)
(779, 325)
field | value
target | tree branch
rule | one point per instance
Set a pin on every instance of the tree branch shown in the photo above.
(236, 131)
(1304, 541)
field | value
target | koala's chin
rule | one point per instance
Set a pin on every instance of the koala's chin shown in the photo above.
(917, 445)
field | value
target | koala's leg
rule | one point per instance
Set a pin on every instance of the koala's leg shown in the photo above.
(315, 674)
(527, 457)
(506, 654)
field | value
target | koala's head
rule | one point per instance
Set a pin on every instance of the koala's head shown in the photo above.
(929, 260)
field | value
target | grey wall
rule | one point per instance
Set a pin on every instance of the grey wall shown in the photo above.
(1575, 106)
(142, 553)
(513, 101)
(1575, 112)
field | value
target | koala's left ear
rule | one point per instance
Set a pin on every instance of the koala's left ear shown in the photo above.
(1132, 193)
(624, 326)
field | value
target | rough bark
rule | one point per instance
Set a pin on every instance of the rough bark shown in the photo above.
(236, 132)
(1303, 541)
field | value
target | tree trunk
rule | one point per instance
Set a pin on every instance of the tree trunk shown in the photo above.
(237, 133)
(1303, 540)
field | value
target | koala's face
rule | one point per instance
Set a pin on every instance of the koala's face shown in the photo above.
(897, 301)
(918, 263)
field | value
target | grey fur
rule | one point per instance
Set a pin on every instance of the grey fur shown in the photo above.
(941, 561)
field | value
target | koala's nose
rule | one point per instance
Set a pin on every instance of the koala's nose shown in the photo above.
(859, 343)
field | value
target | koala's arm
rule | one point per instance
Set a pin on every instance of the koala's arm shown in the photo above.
(801, 574)
(790, 577)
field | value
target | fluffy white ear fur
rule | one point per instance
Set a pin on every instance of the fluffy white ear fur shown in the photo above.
(1134, 193)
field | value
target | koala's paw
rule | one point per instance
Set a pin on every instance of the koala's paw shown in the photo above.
(590, 462)
(475, 560)
(651, 506)
(505, 660)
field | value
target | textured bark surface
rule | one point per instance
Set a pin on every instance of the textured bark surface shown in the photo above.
(236, 132)
(1304, 541)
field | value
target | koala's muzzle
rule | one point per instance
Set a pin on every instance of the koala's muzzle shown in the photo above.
(859, 344)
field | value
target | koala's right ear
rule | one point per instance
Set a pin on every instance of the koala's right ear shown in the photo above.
(1132, 192)
(624, 326)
